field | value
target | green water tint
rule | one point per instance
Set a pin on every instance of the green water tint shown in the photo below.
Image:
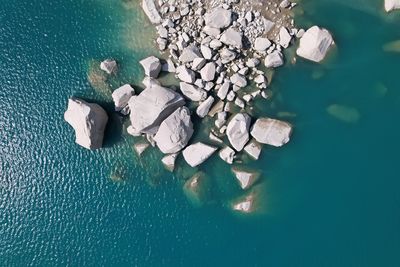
(344, 113)
(392, 47)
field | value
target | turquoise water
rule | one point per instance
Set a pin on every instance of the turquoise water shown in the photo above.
(330, 197)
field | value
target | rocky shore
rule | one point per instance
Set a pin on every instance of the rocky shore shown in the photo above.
(220, 51)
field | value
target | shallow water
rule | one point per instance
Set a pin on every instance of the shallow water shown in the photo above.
(328, 198)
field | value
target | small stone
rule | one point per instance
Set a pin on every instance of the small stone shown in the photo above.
(204, 108)
(109, 66)
(227, 154)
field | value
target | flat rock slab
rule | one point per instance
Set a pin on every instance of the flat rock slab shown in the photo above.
(271, 132)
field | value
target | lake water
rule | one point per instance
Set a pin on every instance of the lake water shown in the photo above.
(328, 198)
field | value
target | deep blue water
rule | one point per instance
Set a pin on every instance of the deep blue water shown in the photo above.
(331, 196)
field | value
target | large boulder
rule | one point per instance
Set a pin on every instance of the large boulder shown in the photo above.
(218, 18)
(89, 121)
(152, 66)
(271, 132)
(238, 130)
(197, 153)
(153, 106)
(175, 131)
(392, 5)
(150, 9)
(314, 44)
(121, 96)
(233, 38)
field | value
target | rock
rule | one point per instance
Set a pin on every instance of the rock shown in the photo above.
(140, 147)
(175, 131)
(206, 51)
(193, 92)
(89, 121)
(189, 54)
(246, 179)
(214, 32)
(271, 132)
(223, 90)
(218, 18)
(169, 66)
(204, 108)
(148, 82)
(109, 66)
(314, 44)
(274, 60)
(262, 44)
(197, 153)
(392, 5)
(185, 75)
(238, 80)
(216, 108)
(285, 4)
(227, 154)
(253, 149)
(152, 66)
(238, 130)
(151, 11)
(121, 96)
(227, 55)
(198, 189)
(215, 138)
(245, 206)
(284, 37)
(169, 161)
(232, 38)
(198, 63)
(208, 72)
(152, 106)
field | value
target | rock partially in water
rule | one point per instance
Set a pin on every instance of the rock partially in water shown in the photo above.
(121, 96)
(150, 9)
(152, 66)
(253, 149)
(89, 121)
(245, 178)
(198, 153)
(271, 132)
(227, 154)
(392, 5)
(109, 66)
(274, 60)
(238, 130)
(152, 106)
(169, 161)
(315, 43)
(344, 113)
(245, 205)
(140, 147)
(205, 107)
(175, 131)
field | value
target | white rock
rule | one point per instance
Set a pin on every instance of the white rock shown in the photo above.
(262, 44)
(216, 139)
(274, 60)
(175, 131)
(169, 66)
(206, 51)
(189, 54)
(284, 37)
(245, 206)
(214, 32)
(218, 18)
(253, 149)
(89, 121)
(227, 55)
(233, 38)
(152, 66)
(152, 106)
(223, 90)
(314, 44)
(227, 154)
(197, 153)
(169, 162)
(238, 130)
(151, 11)
(140, 147)
(238, 80)
(193, 92)
(208, 72)
(203, 109)
(109, 66)
(392, 5)
(198, 63)
(121, 96)
(246, 179)
(271, 132)
(185, 75)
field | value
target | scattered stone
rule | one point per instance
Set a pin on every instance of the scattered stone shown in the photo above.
(284, 37)
(189, 54)
(271, 132)
(239, 80)
(175, 131)
(198, 63)
(89, 121)
(208, 72)
(223, 90)
(314, 44)
(185, 75)
(197, 153)
(262, 44)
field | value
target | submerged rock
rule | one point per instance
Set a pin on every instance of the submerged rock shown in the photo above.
(227, 154)
(271, 132)
(238, 130)
(198, 188)
(121, 96)
(392, 5)
(344, 113)
(141, 147)
(314, 44)
(169, 161)
(152, 106)
(109, 66)
(197, 153)
(246, 178)
(253, 149)
(89, 121)
(175, 131)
